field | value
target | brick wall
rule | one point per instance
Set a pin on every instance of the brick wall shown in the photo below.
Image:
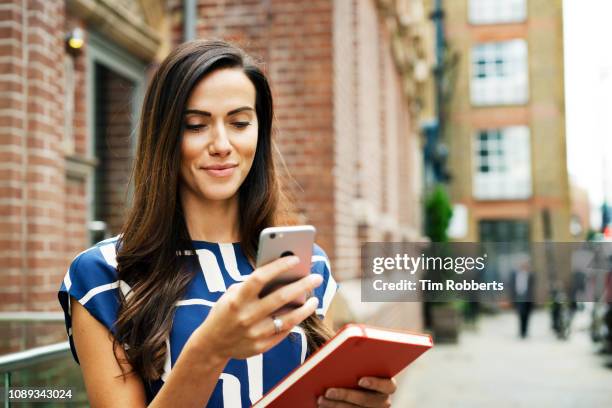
(294, 39)
(12, 139)
(342, 121)
(369, 132)
(31, 156)
(76, 66)
(76, 144)
(346, 262)
(543, 113)
(75, 219)
(343, 126)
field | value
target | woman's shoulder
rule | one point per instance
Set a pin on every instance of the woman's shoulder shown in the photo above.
(318, 251)
(103, 254)
(325, 292)
(92, 268)
(319, 257)
(91, 279)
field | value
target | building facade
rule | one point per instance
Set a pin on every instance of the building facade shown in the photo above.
(506, 120)
(346, 95)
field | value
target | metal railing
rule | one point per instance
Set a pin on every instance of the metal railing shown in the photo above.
(28, 358)
(20, 360)
(22, 317)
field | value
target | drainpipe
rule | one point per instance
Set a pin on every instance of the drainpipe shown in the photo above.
(190, 9)
(438, 18)
(435, 131)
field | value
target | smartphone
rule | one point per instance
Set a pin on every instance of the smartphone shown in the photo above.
(277, 242)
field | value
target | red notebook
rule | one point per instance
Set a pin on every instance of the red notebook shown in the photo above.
(355, 351)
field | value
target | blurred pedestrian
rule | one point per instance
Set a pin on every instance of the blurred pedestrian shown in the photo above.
(561, 311)
(607, 346)
(577, 290)
(522, 286)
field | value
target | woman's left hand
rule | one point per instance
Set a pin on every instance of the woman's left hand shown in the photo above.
(375, 394)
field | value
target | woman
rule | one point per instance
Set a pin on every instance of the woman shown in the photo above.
(168, 312)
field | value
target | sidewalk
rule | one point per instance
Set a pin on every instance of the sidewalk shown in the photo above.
(491, 367)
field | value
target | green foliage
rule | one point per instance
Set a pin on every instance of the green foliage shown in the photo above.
(591, 235)
(438, 212)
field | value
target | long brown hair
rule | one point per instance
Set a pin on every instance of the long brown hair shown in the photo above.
(155, 227)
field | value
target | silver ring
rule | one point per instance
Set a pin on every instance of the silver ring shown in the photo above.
(278, 324)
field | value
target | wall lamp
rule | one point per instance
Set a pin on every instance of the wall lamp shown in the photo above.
(75, 39)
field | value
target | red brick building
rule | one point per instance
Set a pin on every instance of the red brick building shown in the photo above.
(506, 128)
(342, 74)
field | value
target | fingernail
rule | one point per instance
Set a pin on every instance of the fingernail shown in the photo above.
(364, 382)
(331, 393)
(293, 260)
(320, 400)
(315, 301)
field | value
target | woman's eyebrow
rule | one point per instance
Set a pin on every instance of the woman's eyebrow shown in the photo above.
(205, 113)
(197, 112)
(238, 110)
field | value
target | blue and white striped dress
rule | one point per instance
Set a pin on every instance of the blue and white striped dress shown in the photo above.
(92, 280)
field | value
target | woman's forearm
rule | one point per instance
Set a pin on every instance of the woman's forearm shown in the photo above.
(193, 377)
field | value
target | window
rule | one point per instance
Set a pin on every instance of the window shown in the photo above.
(114, 127)
(502, 241)
(497, 11)
(502, 164)
(115, 82)
(499, 73)
(504, 231)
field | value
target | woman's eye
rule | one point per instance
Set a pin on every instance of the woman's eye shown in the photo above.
(241, 125)
(195, 127)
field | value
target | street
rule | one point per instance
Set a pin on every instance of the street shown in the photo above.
(492, 367)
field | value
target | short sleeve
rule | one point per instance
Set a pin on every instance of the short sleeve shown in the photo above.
(92, 280)
(326, 291)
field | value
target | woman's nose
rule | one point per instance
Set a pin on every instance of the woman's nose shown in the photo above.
(220, 145)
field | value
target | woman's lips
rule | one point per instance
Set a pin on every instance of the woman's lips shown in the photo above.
(220, 171)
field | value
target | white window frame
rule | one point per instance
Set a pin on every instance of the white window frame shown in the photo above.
(497, 11)
(504, 172)
(499, 73)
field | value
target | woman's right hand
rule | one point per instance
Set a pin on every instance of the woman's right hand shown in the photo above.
(240, 324)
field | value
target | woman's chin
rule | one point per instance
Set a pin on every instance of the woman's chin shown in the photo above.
(220, 193)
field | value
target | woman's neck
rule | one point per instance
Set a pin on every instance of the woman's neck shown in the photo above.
(213, 221)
